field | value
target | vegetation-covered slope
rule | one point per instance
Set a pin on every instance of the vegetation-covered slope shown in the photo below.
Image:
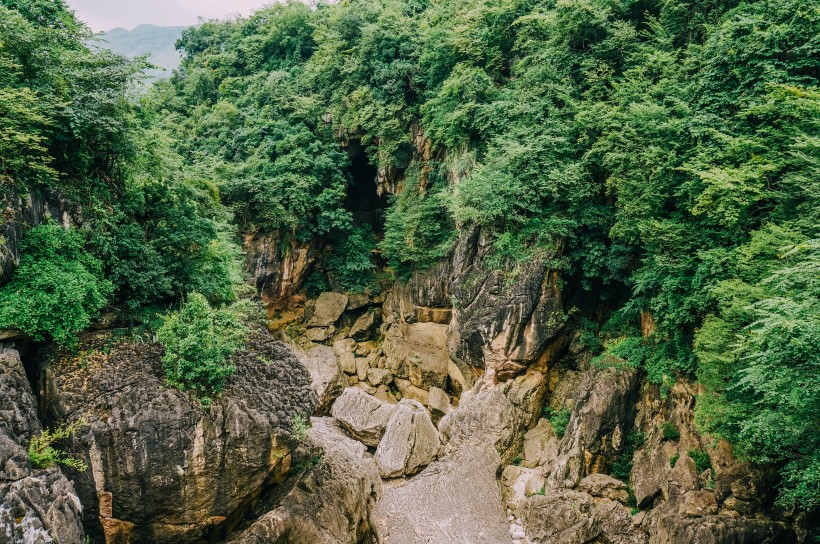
(668, 149)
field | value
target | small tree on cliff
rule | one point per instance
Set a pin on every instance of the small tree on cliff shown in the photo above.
(199, 341)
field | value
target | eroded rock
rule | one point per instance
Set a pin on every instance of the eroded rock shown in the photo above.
(362, 415)
(163, 469)
(410, 441)
(36, 506)
(455, 500)
(332, 503)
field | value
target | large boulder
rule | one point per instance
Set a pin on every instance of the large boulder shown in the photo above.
(455, 500)
(560, 517)
(497, 415)
(417, 352)
(328, 309)
(362, 415)
(410, 441)
(326, 377)
(36, 506)
(163, 469)
(599, 425)
(332, 502)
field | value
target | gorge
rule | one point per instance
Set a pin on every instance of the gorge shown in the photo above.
(479, 272)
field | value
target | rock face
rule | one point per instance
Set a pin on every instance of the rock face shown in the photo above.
(597, 430)
(501, 327)
(162, 468)
(278, 267)
(456, 500)
(332, 503)
(410, 441)
(36, 506)
(326, 377)
(364, 416)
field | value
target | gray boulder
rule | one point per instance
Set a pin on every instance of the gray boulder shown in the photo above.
(326, 377)
(362, 415)
(332, 502)
(328, 309)
(456, 500)
(410, 441)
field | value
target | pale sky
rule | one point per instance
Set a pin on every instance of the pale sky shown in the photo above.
(103, 15)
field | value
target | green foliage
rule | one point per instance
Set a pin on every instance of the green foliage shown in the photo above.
(559, 420)
(199, 341)
(299, 427)
(43, 454)
(622, 466)
(58, 288)
(759, 360)
(418, 232)
(350, 264)
(701, 459)
(674, 459)
(670, 431)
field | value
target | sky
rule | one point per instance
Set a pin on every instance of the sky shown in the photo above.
(102, 15)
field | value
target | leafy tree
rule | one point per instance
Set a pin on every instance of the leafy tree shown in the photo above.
(58, 288)
(199, 341)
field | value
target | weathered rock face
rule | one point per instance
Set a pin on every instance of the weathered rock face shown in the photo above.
(497, 415)
(495, 325)
(603, 414)
(162, 468)
(456, 500)
(333, 501)
(364, 416)
(720, 530)
(326, 377)
(410, 441)
(278, 267)
(36, 506)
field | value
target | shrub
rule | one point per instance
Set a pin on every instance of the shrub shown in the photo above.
(351, 265)
(559, 421)
(670, 431)
(43, 454)
(299, 427)
(701, 459)
(674, 459)
(57, 290)
(198, 342)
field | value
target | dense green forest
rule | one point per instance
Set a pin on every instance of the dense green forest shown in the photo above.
(662, 153)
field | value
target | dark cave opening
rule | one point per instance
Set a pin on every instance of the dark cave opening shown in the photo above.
(363, 200)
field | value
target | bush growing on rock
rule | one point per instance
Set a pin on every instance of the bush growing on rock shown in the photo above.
(199, 341)
(43, 454)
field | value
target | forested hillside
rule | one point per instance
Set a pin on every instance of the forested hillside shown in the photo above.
(663, 155)
(157, 42)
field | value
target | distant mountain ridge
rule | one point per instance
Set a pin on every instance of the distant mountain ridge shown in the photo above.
(157, 41)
